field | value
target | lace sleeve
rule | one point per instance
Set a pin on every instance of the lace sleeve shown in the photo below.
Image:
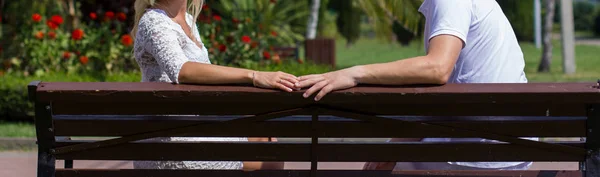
(163, 44)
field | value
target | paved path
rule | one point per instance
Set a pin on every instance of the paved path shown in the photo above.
(23, 164)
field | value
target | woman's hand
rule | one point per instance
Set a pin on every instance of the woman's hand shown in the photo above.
(328, 82)
(275, 80)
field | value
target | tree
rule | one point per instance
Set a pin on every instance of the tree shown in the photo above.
(348, 20)
(547, 49)
(313, 20)
(400, 18)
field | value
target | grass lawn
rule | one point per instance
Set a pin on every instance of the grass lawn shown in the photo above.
(373, 51)
(16, 130)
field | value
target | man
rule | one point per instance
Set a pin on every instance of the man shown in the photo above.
(467, 41)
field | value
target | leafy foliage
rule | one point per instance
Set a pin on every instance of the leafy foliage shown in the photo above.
(242, 32)
(348, 20)
(47, 46)
(519, 13)
(401, 18)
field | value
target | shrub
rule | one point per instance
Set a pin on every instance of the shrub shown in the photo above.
(519, 13)
(46, 46)
(246, 34)
(597, 22)
(348, 20)
(583, 15)
(14, 97)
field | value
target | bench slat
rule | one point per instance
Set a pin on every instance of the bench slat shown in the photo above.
(327, 152)
(304, 173)
(99, 126)
(539, 93)
(241, 108)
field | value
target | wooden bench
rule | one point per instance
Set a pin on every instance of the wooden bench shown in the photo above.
(129, 112)
(287, 52)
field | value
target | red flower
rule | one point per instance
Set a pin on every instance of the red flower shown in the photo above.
(84, 60)
(204, 7)
(300, 61)
(52, 35)
(217, 18)
(126, 40)
(93, 16)
(273, 33)
(77, 53)
(66, 55)
(77, 34)
(109, 15)
(39, 35)
(121, 16)
(52, 25)
(222, 48)
(266, 55)
(246, 39)
(276, 59)
(36, 18)
(57, 19)
(235, 20)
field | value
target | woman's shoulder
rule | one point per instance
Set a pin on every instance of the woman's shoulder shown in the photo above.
(154, 19)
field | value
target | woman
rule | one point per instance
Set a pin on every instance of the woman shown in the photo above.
(168, 48)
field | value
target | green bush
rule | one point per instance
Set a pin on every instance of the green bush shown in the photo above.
(597, 23)
(583, 15)
(348, 20)
(519, 13)
(14, 97)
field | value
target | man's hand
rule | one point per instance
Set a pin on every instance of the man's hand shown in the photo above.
(328, 82)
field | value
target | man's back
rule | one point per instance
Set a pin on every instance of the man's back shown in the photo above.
(491, 52)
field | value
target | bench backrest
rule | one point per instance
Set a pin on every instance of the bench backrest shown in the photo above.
(136, 111)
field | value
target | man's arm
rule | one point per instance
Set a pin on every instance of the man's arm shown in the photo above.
(433, 68)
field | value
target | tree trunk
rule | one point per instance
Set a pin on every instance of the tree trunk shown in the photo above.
(568, 36)
(313, 20)
(547, 50)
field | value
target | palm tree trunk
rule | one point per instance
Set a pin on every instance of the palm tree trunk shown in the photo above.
(547, 49)
(313, 20)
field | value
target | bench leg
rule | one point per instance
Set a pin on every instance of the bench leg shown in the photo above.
(592, 161)
(592, 164)
(45, 139)
(46, 164)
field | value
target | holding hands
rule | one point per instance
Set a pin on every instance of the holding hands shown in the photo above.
(319, 84)
(322, 84)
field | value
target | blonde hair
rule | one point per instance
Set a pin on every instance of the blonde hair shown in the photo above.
(140, 7)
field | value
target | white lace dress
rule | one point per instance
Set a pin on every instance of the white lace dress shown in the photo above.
(161, 48)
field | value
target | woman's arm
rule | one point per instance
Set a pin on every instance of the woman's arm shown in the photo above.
(200, 73)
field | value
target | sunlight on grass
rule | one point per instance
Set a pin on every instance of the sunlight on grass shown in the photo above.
(17, 130)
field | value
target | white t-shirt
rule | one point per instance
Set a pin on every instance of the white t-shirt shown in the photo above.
(491, 52)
